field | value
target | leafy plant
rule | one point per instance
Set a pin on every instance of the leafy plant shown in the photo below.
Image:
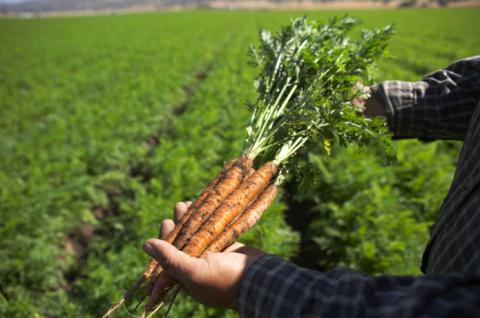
(307, 82)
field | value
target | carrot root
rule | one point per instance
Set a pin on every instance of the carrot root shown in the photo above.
(114, 308)
(230, 208)
(161, 286)
(245, 222)
(230, 181)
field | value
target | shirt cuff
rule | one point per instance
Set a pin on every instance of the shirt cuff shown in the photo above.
(271, 287)
(398, 99)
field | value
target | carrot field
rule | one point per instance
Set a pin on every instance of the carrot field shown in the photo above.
(107, 121)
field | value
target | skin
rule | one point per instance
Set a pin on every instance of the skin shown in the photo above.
(372, 107)
(215, 279)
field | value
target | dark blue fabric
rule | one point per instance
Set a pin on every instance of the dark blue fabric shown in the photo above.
(445, 105)
(273, 287)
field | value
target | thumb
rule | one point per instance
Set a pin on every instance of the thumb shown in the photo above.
(178, 264)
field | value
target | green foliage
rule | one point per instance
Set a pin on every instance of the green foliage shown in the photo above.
(371, 216)
(306, 85)
(106, 122)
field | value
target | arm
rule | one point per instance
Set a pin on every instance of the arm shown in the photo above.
(437, 107)
(272, 287)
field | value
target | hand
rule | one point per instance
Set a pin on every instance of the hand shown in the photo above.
(214, 279)
(368, 103)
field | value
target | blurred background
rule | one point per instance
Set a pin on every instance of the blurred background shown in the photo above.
(111, 111)
(43, 7)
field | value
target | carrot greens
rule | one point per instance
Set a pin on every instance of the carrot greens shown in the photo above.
(306, 84)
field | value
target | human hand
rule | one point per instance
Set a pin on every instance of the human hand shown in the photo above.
(213, 279)
(368, 103)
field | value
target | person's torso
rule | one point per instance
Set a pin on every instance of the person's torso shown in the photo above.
(454, 244)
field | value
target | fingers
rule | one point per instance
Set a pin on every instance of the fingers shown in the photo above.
(180, 209)
(360, 101)
(168, 225)
(178, 264)
(166, 228)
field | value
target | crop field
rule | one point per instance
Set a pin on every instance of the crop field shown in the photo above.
(107, 121)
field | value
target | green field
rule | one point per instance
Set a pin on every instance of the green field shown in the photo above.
(107, 121)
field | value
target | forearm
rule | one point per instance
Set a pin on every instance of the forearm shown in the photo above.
(439, 106)
(272, 287)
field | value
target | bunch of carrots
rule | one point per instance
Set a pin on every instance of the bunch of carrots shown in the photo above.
(305, 85)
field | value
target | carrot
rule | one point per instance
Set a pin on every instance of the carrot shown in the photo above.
(199, 201)
(246, 221)
(232, 179)
(235, 203)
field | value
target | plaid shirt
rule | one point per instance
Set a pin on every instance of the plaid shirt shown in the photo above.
(443, 105)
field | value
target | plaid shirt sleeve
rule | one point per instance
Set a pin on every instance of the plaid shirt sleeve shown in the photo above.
(439, 106)
(273, 287)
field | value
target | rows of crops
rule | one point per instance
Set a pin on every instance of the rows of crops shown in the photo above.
(105, 122)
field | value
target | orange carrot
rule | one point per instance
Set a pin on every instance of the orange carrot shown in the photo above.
(246, 221)
(198, 202)
(235, 203)
(232, 179)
